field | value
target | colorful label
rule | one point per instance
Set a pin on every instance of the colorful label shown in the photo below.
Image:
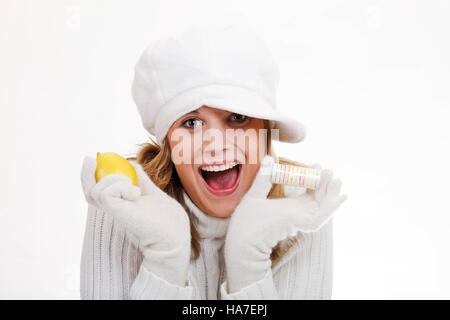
(295, 175)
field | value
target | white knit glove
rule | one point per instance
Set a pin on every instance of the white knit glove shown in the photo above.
(158, 221)
(258, 224)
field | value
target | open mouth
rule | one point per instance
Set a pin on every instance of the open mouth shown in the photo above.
(223, 179)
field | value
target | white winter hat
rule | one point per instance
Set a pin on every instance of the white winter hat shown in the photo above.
(226, 67)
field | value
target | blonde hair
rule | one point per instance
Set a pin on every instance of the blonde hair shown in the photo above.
(156, 162)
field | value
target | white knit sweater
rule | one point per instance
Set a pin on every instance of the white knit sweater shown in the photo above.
(111, 265)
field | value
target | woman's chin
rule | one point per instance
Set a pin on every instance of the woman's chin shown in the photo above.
(219, 203)
(219, 206)
(222, 212)
(222, 207)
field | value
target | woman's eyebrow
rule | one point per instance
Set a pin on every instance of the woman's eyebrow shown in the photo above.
(195, 111)
(185, 116)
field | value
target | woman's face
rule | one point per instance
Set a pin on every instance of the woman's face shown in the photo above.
(216, 154)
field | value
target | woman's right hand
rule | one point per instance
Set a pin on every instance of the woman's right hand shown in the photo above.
(158, 221)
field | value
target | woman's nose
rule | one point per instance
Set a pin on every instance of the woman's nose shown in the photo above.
(214, 144)
(214, 140)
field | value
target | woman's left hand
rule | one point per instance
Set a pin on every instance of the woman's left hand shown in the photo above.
(258, 223)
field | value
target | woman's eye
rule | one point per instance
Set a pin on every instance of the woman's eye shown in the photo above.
(191, 123)
(236, 117)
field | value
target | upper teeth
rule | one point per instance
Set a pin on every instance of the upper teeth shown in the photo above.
(220, 168)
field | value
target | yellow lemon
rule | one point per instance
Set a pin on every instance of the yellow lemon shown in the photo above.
(112, 163)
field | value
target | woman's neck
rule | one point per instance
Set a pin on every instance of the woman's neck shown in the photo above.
(207, 226)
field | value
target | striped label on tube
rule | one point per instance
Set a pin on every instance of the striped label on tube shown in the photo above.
(295, 175)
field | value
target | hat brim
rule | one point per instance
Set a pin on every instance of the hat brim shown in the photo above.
(230, 98)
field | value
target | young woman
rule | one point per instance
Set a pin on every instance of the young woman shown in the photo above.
(205, 221)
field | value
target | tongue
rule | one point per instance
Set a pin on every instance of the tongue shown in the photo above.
(221, 179)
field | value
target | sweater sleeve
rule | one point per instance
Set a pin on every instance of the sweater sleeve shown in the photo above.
(304, 273)
(111, 265)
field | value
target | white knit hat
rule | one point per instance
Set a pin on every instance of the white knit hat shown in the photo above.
(225, 67)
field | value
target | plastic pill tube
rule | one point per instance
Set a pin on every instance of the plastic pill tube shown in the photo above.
(294, 175)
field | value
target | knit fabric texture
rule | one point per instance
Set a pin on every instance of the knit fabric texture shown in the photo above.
(111, 265)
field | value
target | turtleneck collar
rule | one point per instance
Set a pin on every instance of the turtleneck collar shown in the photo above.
(208, 227)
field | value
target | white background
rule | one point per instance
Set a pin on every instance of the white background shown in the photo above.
(370, 80)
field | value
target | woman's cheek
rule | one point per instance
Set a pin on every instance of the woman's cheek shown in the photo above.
(255, 148)
(184, 149)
